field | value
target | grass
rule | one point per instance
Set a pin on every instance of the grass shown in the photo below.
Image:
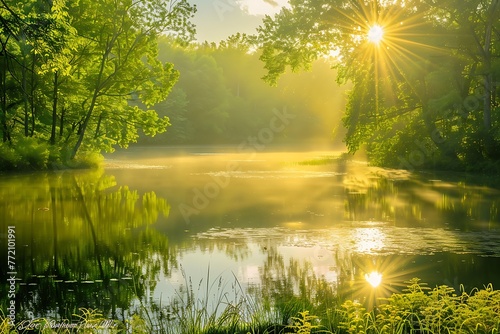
(417, 309)
(210, 307)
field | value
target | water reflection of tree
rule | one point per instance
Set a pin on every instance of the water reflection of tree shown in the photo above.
(236, 249)
(82, 241)
(287, 288)
(455, 202)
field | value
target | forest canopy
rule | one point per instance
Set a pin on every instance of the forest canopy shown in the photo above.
(422, 79)
(425, 74)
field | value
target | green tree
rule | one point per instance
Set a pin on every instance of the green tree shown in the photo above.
(83, 76)
(411, 91)
(123, 54)
(33, 36)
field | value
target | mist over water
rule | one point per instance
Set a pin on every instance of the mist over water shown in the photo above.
(159, 220)
(319, 207)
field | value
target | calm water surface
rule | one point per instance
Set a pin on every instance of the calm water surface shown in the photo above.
(156, 222)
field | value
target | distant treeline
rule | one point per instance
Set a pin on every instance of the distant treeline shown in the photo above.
(220, 98)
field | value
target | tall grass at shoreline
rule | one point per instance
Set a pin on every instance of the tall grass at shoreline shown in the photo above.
(211, 306)
(417, 309)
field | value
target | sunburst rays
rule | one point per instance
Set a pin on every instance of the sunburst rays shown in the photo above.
(387, 40)
(381, 276)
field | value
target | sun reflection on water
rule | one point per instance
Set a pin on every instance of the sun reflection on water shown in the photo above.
(369, 240)
(374, 278)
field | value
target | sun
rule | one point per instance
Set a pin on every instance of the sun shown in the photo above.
(375, 34)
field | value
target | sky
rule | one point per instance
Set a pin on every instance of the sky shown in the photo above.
(218, 19)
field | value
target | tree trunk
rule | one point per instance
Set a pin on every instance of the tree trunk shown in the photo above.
(487, 102)
(97, 90)
(98, 127)
(433, 132)
(488, 77)
(83, 127)
(88, 218)
(54, 227)
(32, 95)
(3, 95)
(61, 124)
(54, 110)
(24, 88)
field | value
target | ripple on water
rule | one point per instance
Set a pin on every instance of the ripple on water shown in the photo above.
(117, 164)
(258, 174)
(373, 238)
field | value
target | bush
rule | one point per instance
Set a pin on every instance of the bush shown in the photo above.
(28, 153)
(34, 154)
(87, 160)
(420, 309)
(9, 158)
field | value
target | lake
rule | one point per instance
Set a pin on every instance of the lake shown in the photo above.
(157, 222)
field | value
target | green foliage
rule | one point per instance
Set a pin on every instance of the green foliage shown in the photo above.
(33, 154)
(28, 154)
(100, 233)
(355, 317)
(139, 325)
(421, 309)
(9, 158)
(220, 98)
(440, 91)
(87, 160)
(5, 324)
(191, 312)
(73, 74)
(303, 323)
